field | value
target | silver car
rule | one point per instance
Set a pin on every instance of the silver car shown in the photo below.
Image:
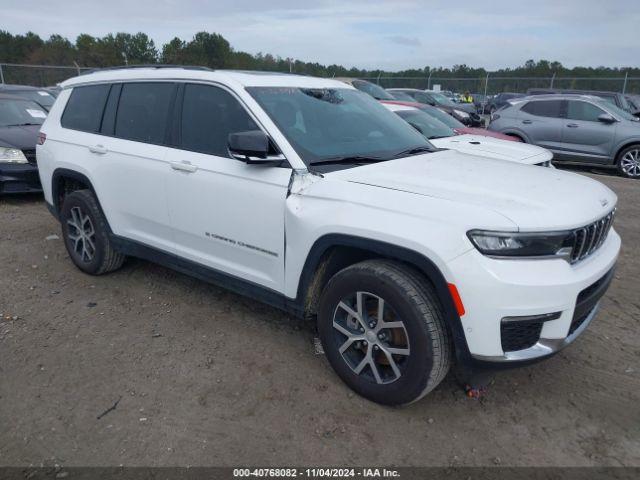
(576, 128)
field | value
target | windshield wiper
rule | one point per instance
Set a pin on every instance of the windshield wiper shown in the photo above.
(413, 151)
(355, 159)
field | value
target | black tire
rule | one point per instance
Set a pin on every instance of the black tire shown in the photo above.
(100, 259)
(628, 162)
(408, 297)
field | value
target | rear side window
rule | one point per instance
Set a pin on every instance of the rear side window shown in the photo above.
(84, 108)
(143, 111)
(583, 111)
(546, 108)
(209, 115)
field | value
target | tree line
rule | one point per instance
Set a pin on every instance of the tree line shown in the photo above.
(214, 51)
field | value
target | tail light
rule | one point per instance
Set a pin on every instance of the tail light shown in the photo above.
(42, 137)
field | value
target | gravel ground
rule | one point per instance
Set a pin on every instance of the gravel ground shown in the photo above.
(194, 375)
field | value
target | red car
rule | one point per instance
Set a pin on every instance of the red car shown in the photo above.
(451, 122)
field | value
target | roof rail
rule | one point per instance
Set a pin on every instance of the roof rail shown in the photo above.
(147, 65)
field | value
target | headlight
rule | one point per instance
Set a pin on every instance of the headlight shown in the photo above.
(507, 244)
(12, 155)
(461, 114)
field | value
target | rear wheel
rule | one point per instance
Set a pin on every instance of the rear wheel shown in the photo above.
(382, 329)
(629, 162)
(86, 234)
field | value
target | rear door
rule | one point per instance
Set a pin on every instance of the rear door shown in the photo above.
(226, 214)
(131, 168)
(584, 137)
(542, 122)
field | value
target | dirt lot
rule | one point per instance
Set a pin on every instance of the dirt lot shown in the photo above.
(205, 377)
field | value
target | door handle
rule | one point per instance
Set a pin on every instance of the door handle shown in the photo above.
(527, 121)
(572, 125)
(183, 166)
(99, 149)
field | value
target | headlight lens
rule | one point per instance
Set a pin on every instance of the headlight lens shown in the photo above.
(507, 244)
(461, 114)
(12, 155)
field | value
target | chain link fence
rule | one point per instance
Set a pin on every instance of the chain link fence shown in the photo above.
(37, 75)
(490, 85)
(49, 75)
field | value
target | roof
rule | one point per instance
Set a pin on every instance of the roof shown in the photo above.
(397, 106)
(227, 77)
(405, 90)
(7, 87)
(557, 96)
(9, 96)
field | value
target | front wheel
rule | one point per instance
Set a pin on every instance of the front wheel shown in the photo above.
(629, 162)
(382, 328)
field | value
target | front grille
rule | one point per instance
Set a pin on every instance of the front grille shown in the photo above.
(588, 239)
(520, 335)
(31, 155)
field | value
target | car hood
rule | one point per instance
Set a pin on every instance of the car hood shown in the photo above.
(532, 197)
(495, 148)
(24, 138)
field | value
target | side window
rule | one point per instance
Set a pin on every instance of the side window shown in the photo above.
(544, 108)
(84, 108)
(143, 111)
(423, 98)
(209, 115)
(585, 111)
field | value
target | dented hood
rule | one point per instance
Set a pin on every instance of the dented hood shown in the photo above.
(495, 148)
(534, 198)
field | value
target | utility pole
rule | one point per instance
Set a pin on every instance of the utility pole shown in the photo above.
(1, 74)
(553, 77)
(486, 87)
(624, 86)
(429, 80)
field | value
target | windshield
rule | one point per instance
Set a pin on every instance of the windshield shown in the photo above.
(330, 124)
(443, 117)
(441, 99)
(426, 124)
(20, 112)
(617, 111)
(376, 91)
(405, 97)
(39, 96)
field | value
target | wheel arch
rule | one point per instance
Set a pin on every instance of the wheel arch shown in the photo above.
(333, 252)
(64, 181)
(620, 148)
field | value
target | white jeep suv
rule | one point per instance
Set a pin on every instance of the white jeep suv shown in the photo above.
(311, 196)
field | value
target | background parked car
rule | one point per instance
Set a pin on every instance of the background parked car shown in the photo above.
(458, 127)
(376, 91)
(582, 129)
(500, 100)
(618, 99)
(634, 103)
(20, 121)
(41, 96)
(443, 136)
(465, 113)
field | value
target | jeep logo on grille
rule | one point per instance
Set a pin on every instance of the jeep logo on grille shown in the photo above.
(604, 202)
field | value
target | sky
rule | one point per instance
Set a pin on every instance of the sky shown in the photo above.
(387, 34)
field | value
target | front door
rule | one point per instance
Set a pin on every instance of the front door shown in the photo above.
(225, 214)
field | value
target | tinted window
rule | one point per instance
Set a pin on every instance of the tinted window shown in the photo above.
(547, 108)
(143, 111)
(209, 115)
(583, 111)
(84, 108)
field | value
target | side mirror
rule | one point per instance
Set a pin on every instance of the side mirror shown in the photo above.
(606, 118)
(252, 147)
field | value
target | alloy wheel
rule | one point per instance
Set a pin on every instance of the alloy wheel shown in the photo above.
(630, 163)
(371, 337)
(82, 234)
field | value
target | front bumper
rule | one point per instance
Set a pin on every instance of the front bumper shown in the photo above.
(493, 290)
(19, 178)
